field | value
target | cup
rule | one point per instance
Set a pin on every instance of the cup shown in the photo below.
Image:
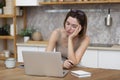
(10, 63)
(7, 53)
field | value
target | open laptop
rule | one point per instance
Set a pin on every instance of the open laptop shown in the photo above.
(43, 64)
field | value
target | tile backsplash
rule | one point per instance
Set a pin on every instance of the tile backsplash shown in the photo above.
(49, 17)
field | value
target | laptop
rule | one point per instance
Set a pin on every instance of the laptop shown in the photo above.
(43, 64)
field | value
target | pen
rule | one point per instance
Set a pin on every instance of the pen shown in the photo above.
(71, 63)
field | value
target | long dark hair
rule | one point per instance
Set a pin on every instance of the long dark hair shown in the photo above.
(81, 18)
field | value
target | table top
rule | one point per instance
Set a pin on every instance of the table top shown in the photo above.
(97, 74)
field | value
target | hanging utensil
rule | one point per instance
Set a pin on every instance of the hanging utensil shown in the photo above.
(108, 19)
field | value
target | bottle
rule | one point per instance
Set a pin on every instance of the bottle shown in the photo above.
(108, 19)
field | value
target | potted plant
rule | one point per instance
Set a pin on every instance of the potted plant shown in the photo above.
(26, 33)
(2, 4)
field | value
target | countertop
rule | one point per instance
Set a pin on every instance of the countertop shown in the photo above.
(90, 47)
(97, 74)
(104, 47)
(33, 43)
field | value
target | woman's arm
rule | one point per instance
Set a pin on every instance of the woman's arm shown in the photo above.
(52, 41)
(76, 56)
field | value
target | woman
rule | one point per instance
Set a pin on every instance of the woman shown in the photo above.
(71, 40)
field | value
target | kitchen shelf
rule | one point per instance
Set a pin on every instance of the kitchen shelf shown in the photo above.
(80, 2)
(4, 58)
(6, 37)
(6, 16)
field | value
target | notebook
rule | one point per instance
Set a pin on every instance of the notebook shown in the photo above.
(43, 64)
(81, 73)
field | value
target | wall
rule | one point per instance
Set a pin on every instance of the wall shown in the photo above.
(46, 22)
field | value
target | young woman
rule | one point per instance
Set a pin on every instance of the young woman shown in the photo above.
(71, 40)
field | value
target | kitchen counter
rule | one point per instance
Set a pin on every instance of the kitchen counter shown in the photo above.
(33, 43)
(30, 46)
(104, 47)
(90, 47)
(26, 44)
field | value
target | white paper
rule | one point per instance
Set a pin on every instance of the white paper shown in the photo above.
(81, 73)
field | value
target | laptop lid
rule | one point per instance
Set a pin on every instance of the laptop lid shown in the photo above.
(43, 63)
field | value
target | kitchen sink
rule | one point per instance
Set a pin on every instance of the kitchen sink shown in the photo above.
(100, 45)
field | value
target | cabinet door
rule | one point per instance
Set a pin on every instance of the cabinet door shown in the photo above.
(26, 2)
(89, 59)
(109, 59)
(24, 48)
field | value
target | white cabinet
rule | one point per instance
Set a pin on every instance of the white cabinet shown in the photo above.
(21, 48)
(27, 3)
(89, 59)
(109, 59)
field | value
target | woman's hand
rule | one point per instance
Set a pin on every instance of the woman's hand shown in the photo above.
(68, 64)
(75, 33)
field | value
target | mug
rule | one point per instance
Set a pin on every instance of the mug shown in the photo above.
(10, 62)
(7, 53)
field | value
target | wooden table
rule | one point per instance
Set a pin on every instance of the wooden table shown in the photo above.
(97, 74)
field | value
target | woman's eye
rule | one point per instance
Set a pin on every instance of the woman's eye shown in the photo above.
(67, 23)
(74, 26)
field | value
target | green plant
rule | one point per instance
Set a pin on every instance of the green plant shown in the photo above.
(2, 3)
(26, 32)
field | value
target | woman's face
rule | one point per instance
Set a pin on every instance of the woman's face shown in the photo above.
(70, 25)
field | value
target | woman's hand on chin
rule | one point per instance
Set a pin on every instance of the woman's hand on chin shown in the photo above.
(75, 33)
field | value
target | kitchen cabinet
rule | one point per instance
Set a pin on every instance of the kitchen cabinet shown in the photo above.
(9, 14)
(101, 58)
(90, 59)
(109, 59)
(24, 47)
(26, 2)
